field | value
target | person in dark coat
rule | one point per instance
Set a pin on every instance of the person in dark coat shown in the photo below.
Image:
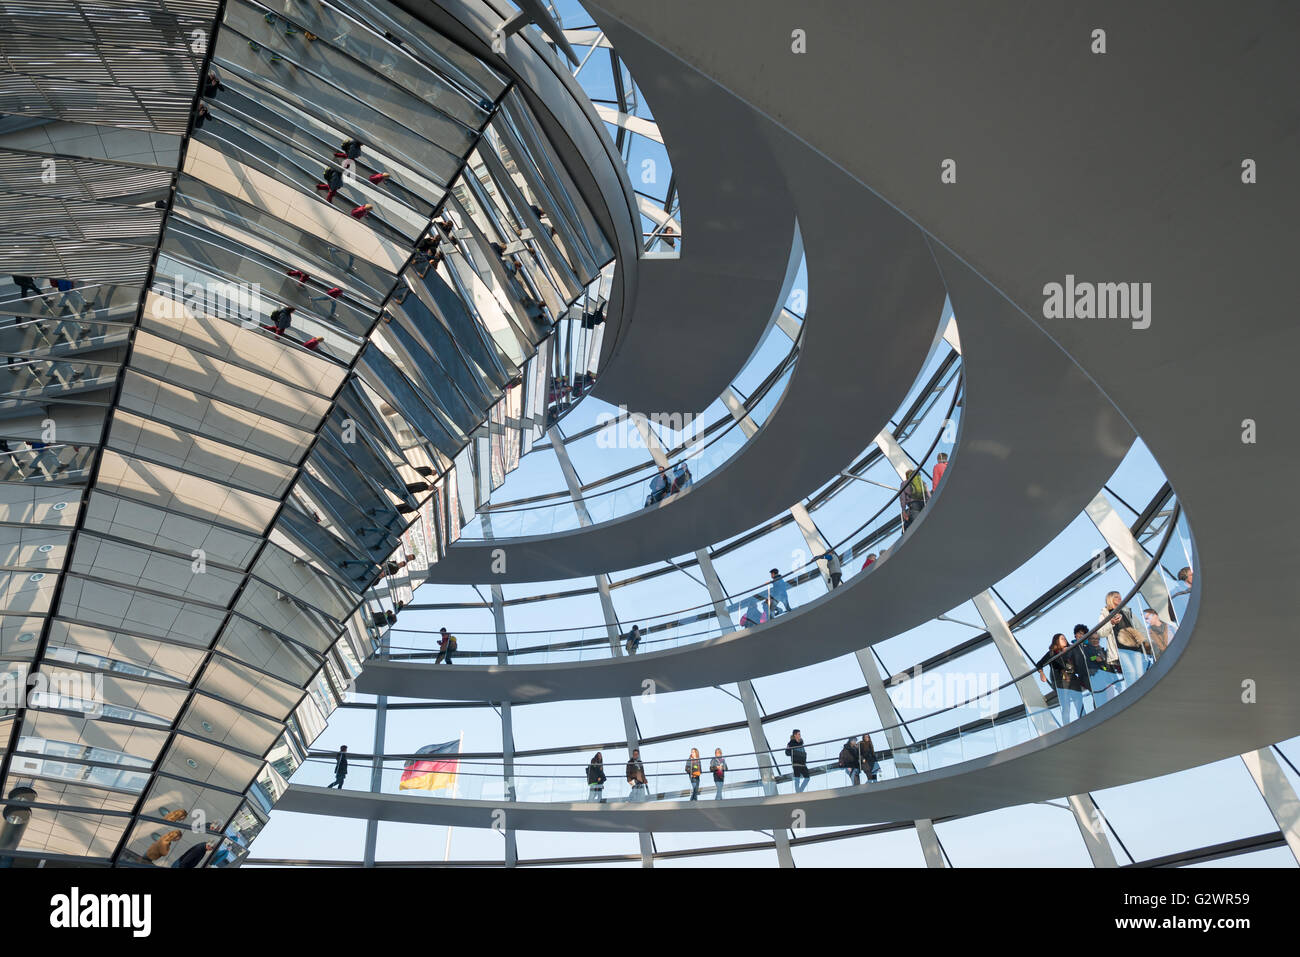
(596, 779)
(798, 756)
(867, 759)
(195, 854)
(850, 761)
(718, 767)
(340, 768)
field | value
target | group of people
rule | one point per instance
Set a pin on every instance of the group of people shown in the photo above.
(1111, 658)
(639, 787)
(666, 483)
(858, 759)
(912, 494)
(66, 287)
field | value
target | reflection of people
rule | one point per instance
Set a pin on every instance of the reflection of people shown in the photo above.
(1184, 582)
(160, 848)
(195, 854)
(25, 283)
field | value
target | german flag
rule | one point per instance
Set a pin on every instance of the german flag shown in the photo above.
(422, 774)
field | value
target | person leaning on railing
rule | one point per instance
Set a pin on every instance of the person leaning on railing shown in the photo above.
(1104, 672)
(1068, 666)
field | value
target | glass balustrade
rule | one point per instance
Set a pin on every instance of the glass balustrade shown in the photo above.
(982, 723)
(632, 495)
(746, 608)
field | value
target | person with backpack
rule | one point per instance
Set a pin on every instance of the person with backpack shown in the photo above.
(332, 182)
(798, 756)
(851, 761)
(596, 779)
(633, 639)
(718, 768)
(751, 612)
(867, 759)
(349, 151)
(195, 854)
(693, 772)
(637, 785)
(911, 496)
(280, 319)
(446, 647)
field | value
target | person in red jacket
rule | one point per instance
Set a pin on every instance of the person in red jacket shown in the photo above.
(940, 467)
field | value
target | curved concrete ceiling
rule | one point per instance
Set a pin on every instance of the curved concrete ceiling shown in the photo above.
(856, 364)
(700, 314)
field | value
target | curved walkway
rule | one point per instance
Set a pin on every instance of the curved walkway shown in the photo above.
(699, 314)
(1020, 473)
(874, 305)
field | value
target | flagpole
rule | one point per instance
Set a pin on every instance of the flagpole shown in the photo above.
(455, 786)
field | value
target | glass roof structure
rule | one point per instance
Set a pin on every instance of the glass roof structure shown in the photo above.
(330, 536)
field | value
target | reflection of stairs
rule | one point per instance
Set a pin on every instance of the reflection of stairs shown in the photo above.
(59, 463)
